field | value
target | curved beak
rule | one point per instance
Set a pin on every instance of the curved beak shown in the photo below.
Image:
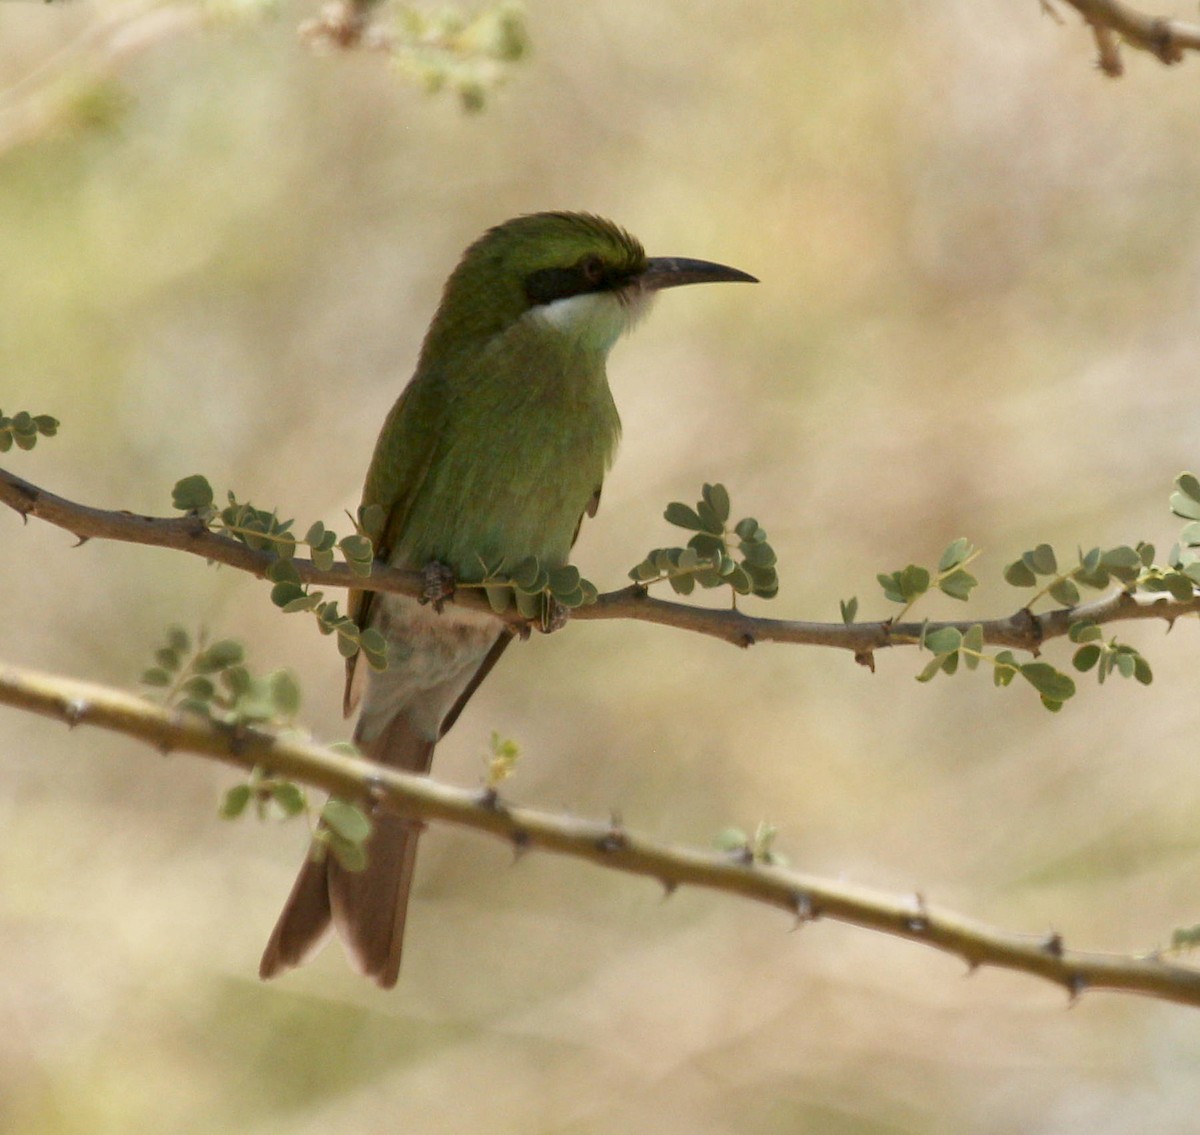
(672, 271)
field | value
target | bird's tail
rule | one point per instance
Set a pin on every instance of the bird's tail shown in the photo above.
(368, 907)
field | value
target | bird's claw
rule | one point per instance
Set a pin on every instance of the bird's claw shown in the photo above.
(439, 584)
(554, 615)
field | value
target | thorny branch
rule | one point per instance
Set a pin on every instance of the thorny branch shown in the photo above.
(601, 843)
(1023, 630)
(1112, 21)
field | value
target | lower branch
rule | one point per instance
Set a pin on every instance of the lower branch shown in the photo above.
(804, 897)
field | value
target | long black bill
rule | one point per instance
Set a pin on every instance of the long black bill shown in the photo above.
(672, 271)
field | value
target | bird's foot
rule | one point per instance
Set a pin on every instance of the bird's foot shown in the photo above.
(554, 615)
(439, 584)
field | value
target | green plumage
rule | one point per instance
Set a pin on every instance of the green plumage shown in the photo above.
(493, 453)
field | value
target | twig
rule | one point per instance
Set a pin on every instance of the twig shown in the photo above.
(1020, 631)
(1165, 39)
(602, 843)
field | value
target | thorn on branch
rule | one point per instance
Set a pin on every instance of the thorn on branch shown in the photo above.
(612, 840)
(376, 792)
(521, 843)
(918, 923)
(805, 909)
(489, 800)
(865, 658)
(669, 886)
(1053, 944)
(73, 712)
(1109, 57)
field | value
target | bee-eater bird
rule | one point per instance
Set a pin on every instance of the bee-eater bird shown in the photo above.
(493, 453)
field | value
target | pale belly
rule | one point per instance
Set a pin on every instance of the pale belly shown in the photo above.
(432, 657)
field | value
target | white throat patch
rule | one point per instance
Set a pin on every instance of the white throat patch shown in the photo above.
(597, 319)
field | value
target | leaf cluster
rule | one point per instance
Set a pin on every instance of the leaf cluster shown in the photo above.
(213, 681)
(342, 828)
(534, 588)
(264, 531)
(950, 646)
(1106, 657)
(710, 559)
(908, 584)
(444, 49)
(752, 849)
(1095, 569)
(23, 429)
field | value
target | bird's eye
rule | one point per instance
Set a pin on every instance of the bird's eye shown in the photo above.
(592, 269)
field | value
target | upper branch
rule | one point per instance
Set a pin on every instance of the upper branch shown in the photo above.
(605, 844)
(1022, 630)
(1165, 39)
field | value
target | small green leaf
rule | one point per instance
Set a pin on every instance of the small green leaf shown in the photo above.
(283, 571)
(356, 549)
(156, 676)
(760, 555)
(682, 516)
(1086, 657)
(351, 856)
(371, 519)
(1186, 502)
(958, 584)
(954, 554)
(192, 494)
(1084, 631)
(237, 680)
(290, 797)
(226, 652)
(944, 640)
(706, 545)
(1017, 574)
(563, 580)
(285, 693)
(1064, 592)
(199, 687)
(849, 609)
(286, 593)
(972, 646)
(931, 670)
(1052, 684)
(1041, 560)
(731, 839)
(717, 498)
(712, 522)
(235, 801)
(346, 820)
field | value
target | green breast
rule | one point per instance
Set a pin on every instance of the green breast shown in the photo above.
(527, 432)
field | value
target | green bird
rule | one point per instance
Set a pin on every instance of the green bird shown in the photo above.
(494, 452)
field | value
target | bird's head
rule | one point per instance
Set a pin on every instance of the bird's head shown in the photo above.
(578, 275)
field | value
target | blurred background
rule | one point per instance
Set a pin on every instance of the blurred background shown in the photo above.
(980, 266)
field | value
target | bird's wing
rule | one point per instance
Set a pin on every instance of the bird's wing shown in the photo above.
(403, 456)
